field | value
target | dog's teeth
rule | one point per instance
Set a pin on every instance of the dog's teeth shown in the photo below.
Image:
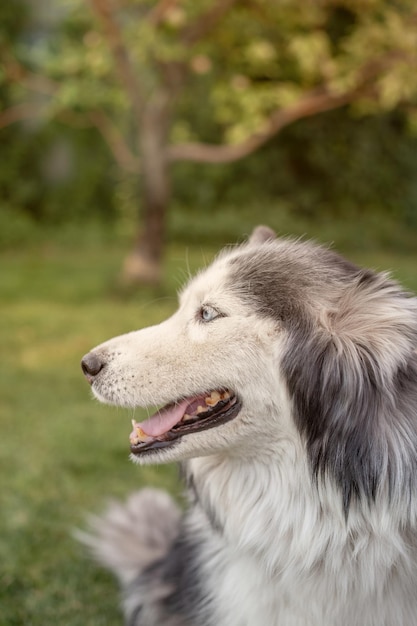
(200, 409)
(225, 395)
(187, 417)
(212, 399)
(141, 435)
(137, 436)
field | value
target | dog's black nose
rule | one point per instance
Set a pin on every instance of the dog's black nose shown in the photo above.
(91, 365)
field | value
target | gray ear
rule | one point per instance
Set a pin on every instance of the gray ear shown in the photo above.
(261, 234)
(354, 389)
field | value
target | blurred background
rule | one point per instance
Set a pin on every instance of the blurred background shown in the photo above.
(136, 138)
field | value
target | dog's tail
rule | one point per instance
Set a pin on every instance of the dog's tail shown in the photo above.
(128, 539)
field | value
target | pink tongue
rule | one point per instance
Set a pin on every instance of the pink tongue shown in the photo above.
(164, 420)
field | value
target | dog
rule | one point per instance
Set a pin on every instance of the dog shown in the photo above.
(288, 380)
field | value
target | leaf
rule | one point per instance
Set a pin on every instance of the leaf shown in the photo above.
(311, 51)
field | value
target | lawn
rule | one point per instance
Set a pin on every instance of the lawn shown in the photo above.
(61, 453)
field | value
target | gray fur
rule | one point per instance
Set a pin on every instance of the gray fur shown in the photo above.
(345, 399)
(129, 538)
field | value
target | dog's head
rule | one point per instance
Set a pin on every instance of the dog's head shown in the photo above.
(278, 342)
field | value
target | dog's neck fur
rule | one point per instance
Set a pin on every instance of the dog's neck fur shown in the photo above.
(286, 544)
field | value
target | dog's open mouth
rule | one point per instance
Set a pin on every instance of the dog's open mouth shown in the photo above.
(189, 415)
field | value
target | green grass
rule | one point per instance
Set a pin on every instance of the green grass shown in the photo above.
(62, 454)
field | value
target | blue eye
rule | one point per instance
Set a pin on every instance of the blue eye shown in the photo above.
(208, 313)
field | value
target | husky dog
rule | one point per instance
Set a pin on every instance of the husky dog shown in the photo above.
(288, 379)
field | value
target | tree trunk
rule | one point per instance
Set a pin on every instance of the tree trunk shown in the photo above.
(144, 263)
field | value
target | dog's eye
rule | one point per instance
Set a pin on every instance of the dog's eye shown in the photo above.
(207, 313)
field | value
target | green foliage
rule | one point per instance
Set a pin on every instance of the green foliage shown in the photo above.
(50, 173)
(327, 167)
(266, 55)
(260, 57)
(359, 232)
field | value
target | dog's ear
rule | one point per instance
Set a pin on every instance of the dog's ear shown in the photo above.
(353, 381)
(261, 234)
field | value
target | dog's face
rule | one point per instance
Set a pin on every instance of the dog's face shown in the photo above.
(213, 364)
(276, 342)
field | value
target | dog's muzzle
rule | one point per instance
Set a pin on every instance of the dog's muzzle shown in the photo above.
(179, 418)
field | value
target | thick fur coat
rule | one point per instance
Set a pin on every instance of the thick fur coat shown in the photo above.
(303, 489)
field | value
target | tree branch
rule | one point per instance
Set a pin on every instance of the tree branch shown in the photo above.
(119, 148)
(206, 22)
(18, 113)
(158, 12)
(316, 101)
(17, 73)
(112, 32)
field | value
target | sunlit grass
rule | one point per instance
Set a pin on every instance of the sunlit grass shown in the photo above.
(61, 453)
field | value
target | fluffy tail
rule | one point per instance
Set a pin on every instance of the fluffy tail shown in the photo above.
(130, 537)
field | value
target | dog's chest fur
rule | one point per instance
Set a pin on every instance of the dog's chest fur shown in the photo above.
(260, 554)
